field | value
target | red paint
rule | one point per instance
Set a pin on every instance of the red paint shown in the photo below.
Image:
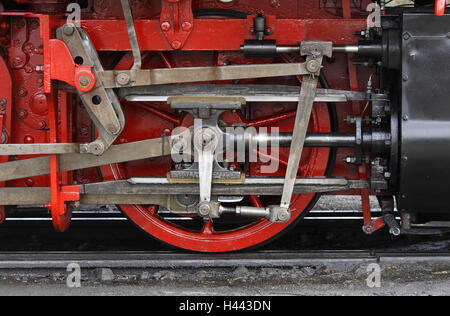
(440, 7)
(176, 20)
(63, 68)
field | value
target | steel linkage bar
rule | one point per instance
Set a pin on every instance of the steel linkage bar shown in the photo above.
(126, 7)
(150, 148)
(251, 93)
(147, 77)
(150, 190)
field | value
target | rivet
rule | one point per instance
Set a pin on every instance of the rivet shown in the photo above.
(42, 125)
(176, 44)
(165, 26)
(186, 26)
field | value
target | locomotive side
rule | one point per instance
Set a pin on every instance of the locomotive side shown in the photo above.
(234, 114)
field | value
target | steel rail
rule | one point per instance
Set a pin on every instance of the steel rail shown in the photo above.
(139, 260)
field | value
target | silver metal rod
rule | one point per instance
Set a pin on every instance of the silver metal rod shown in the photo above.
(132, 34)
(311, 140)
(305, 105)
(38, 149)
(288, 49)
(285, 49)
(349, 49)
(251, 93)
(252, 212)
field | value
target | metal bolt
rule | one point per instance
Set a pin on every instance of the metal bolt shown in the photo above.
(204, 210)
(42, 125)
(165, 26)
(186, 26)
(395, 231)
(176, 44)
(405, 158)
(84, 148)
(405, 77)
(22, 114)
(406, 36)
(85, 81)
(123, 79)
(283, 215)
(312, 66)
(23, 92)
(350, 160)
(29, 182)
(405, 117)
(368, 229)
(180, 145)
(68, 29)
(96, 148)
(28, 139)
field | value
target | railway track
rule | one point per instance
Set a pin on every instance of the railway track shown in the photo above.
(174, 260)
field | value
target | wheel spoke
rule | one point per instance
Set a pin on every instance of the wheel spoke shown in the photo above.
(208, 228)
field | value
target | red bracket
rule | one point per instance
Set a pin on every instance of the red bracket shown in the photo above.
(440, 7)
(59, 196)
(176, 21)
(2, 214)
(271, 26)
(370, 226)
(63, 68)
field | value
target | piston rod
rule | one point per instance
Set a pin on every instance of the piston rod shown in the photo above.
(284, 140)
(253, 48)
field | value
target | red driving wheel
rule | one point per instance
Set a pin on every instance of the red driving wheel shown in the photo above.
(143, 123)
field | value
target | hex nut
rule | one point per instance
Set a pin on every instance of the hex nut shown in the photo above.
(68, 29)
(123, 79)
(313, 66)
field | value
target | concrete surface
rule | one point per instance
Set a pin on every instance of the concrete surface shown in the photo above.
(340, 279)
